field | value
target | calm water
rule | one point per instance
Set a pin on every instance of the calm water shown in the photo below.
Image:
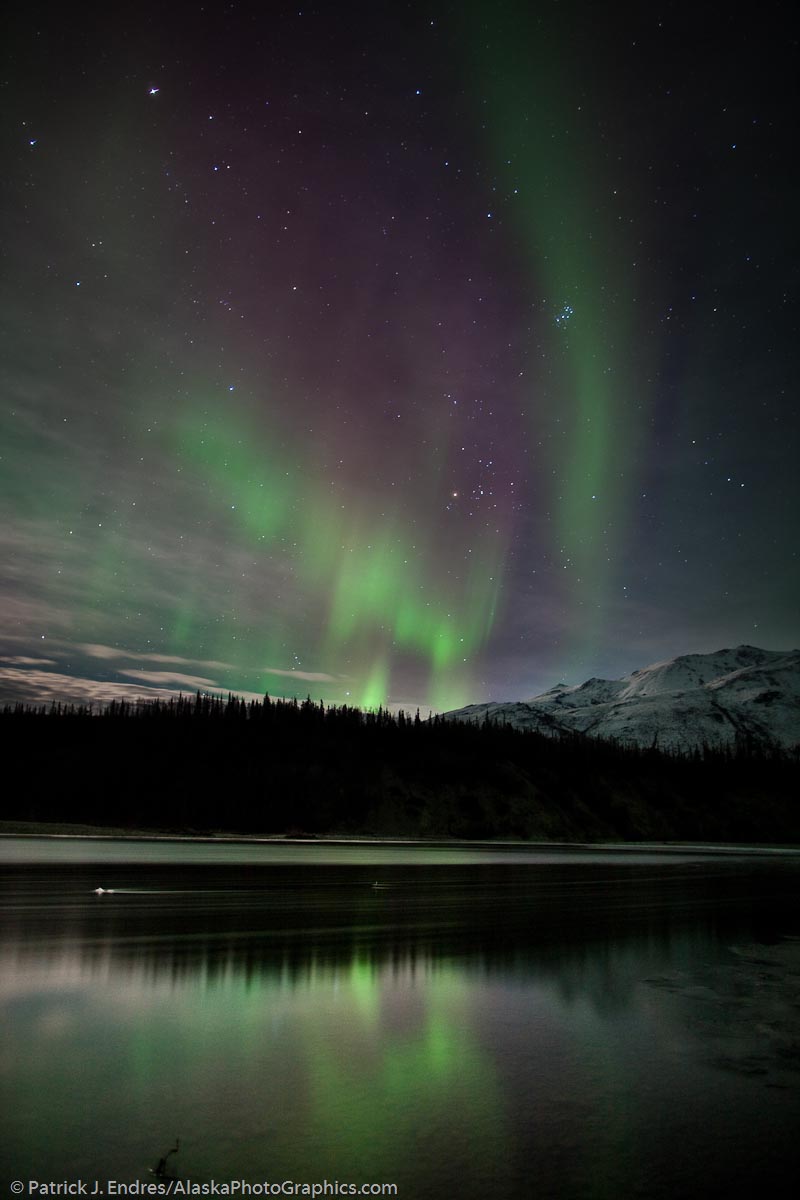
(483, 1023)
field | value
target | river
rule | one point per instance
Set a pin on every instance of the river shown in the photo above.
(458, 1021)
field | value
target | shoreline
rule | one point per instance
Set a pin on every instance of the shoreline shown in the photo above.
(45, 831)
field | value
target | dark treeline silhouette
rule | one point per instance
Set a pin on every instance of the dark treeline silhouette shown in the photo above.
(202, 764)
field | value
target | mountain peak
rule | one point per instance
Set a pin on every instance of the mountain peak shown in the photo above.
(679, 703)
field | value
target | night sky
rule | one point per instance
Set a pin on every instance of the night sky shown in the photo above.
(398, 354)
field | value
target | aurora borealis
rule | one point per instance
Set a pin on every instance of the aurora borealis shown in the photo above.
(410, 356)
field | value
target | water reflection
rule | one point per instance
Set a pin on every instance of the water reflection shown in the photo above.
(501, 1030)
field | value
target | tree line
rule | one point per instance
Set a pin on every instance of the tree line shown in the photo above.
(206, 764)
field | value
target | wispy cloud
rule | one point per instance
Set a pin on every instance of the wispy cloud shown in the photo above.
(109, 653)
(166, 677)
(102, 651)
(93, 650)
(308, 676)
(19, 660)
(42, 687)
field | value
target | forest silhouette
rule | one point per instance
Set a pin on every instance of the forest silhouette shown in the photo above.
(208, 765)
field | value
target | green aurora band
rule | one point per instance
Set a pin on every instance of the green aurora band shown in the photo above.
(565, 219)
(381, 577)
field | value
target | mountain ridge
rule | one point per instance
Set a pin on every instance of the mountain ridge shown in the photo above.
(678, 704)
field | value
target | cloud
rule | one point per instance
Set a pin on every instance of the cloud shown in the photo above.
(164, 677)
(172, 658)
(309, 676)
(28, 619)
(111, 652)
(19, 660)
(42, 687)
(102, 651)
(96, 651)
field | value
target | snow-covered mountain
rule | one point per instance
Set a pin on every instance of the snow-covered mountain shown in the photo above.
(678, 704)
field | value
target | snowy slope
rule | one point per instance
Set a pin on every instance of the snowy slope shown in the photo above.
(677, 704)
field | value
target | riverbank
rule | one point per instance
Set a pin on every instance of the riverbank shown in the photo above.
(97, 833)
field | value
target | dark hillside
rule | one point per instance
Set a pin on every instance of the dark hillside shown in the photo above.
(277, 767)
